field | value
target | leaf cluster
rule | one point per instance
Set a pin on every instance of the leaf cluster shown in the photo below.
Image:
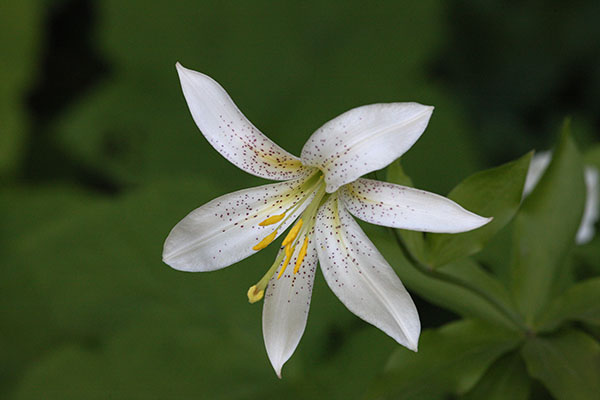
(530, 322)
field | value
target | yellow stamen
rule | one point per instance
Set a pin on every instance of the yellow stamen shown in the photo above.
(273, 219)
(293, 233)
(288, 255)
(301, 255)
(265, 242)
(254, 294)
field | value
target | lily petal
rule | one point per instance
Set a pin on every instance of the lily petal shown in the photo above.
(591, 212)
(537, 167)
(364, 139)
(359, 275)
(224, 231)
(397, 206)
(287, 301)
(231, 133)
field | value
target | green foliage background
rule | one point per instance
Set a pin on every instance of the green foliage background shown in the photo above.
(99, 158)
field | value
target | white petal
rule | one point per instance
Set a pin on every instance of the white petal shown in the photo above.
(537, 166)
(285, 311)
(586, 230)
(397, 206)
(361, 278)
(223, 231)
(364, 139)
(230, 132)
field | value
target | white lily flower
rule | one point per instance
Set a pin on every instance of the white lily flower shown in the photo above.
(586, 231)
(318, 193)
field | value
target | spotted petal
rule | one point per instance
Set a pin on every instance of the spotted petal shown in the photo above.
(364, 139)
(285, 311)
(225, 230)
(231, 133)
(359, 275)
(404, 207)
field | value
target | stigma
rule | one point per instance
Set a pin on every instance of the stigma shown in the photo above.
(255, 294)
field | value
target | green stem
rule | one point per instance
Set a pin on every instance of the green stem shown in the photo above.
(453, 280)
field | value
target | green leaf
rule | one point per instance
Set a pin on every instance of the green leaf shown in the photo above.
(592, 156)
(495, 256)
(450, 360)
(469, 271)
(545, 228)
(586, 257)
(394, 173)
(581, 302)
(567, 363)
(506, 379)
(494, 193)
(441, 292)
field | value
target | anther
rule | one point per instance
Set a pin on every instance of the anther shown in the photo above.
(288, 255)
(301, 255)
(293, 233)
(265, 242)
(272, 220)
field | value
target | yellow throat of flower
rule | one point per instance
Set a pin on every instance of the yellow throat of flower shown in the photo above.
(300, 232)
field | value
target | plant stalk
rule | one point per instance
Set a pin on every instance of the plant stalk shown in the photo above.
(453, 280)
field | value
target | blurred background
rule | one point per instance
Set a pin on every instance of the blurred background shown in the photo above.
(99, 159)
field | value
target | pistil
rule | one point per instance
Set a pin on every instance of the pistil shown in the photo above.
(299, 230)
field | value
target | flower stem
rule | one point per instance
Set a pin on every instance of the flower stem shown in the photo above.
(453, 280)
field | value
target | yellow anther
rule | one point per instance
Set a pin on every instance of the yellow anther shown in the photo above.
(301, 255)
(288, 255)
(293, 233)
(289, 250)
(254, 294)
(265, 242)
(273, 219)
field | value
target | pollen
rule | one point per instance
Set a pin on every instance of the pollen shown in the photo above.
(301, 255)
(291, 236)
(272, 220)
(289, 250)
(254, 294)
(265, 242)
